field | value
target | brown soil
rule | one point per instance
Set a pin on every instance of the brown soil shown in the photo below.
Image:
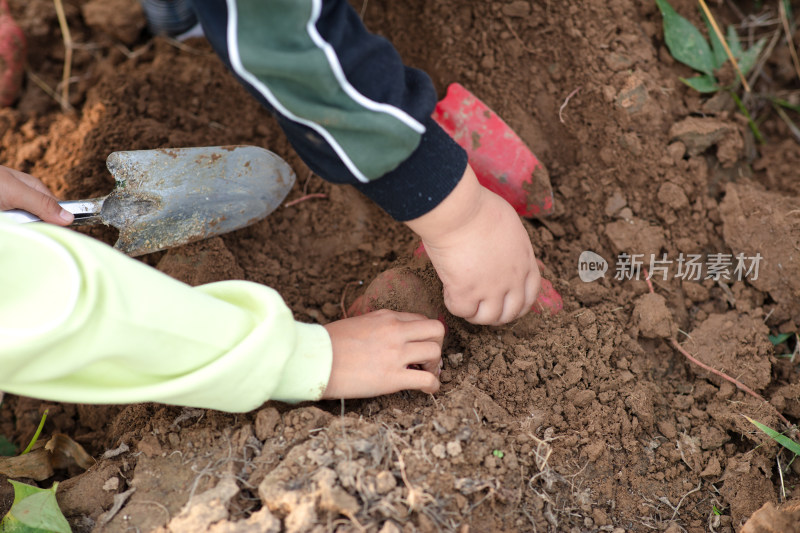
(586, 421)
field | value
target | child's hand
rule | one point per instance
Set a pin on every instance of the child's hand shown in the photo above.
(372, 353)
(482, 253)
(22, 191)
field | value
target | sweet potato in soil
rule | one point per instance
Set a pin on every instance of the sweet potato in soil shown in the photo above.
(12, 56)
(400, 289)
(572, 422)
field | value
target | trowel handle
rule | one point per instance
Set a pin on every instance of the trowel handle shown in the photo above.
(86, 212)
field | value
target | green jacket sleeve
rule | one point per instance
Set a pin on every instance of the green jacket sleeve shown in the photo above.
(82, 323)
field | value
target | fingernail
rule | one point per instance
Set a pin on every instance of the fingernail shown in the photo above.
(66, 216)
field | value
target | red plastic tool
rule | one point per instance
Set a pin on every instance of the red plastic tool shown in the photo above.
(502, 162)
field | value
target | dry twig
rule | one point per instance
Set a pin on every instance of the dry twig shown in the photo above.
(757, 69)
(67, 37)
(47, 89)
(719, 33)
(789, 40)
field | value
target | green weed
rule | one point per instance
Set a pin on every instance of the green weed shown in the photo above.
(38, 432)
(780, 438)
(687, 45)
(34, 510)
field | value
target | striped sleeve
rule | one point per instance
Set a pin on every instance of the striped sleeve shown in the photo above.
(349, 106)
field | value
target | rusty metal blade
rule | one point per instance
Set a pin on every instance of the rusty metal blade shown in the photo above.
(169, 197)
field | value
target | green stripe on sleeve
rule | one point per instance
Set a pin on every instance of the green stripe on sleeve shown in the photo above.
(277, 47)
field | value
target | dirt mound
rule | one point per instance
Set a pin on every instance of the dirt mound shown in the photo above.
(585, 421)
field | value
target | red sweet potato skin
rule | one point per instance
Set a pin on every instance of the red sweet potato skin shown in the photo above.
(399, 289)
(12, 56)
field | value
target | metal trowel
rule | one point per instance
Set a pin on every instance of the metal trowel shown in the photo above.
(173, 196)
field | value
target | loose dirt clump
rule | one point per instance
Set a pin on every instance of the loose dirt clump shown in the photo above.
(589, 420)
(755, 219)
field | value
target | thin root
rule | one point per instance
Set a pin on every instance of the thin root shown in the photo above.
(48, 90)
(517, 37)
(649, 282)
(304, 198)
(344, 294)
(739, 385)
(566, 101)
(789, 41)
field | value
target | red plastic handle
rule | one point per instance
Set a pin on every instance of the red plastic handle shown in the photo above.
(502, 162)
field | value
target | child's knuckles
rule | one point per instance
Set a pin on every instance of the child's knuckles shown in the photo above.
(463, 307)
(12, 192)
(47, 204)
(489, 312)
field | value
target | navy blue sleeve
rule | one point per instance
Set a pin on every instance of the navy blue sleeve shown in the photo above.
(333, 110)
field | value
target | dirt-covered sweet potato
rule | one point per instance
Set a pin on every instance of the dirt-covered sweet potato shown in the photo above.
(400, 289)
(12, 56)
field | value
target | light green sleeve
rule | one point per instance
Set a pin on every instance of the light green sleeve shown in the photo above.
(83, 323)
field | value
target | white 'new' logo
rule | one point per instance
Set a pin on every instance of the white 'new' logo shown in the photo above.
(591, 266)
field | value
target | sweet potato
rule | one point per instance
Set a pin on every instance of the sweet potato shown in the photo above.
(399, 289)
(549, 300)
(12, 56)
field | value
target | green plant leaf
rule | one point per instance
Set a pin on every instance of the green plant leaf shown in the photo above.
(38, 432)
(747, 60)
(717, 48)
(778, 339)
(7, 448)
(750, 122)
(685, 42)
(788, 105)
(783, 440)
(703, 84)
(498, 453)
(733, 42)
(34, 510)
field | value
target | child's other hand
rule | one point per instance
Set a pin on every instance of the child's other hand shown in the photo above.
(372, 353)
(22, 191)
(482, 253)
